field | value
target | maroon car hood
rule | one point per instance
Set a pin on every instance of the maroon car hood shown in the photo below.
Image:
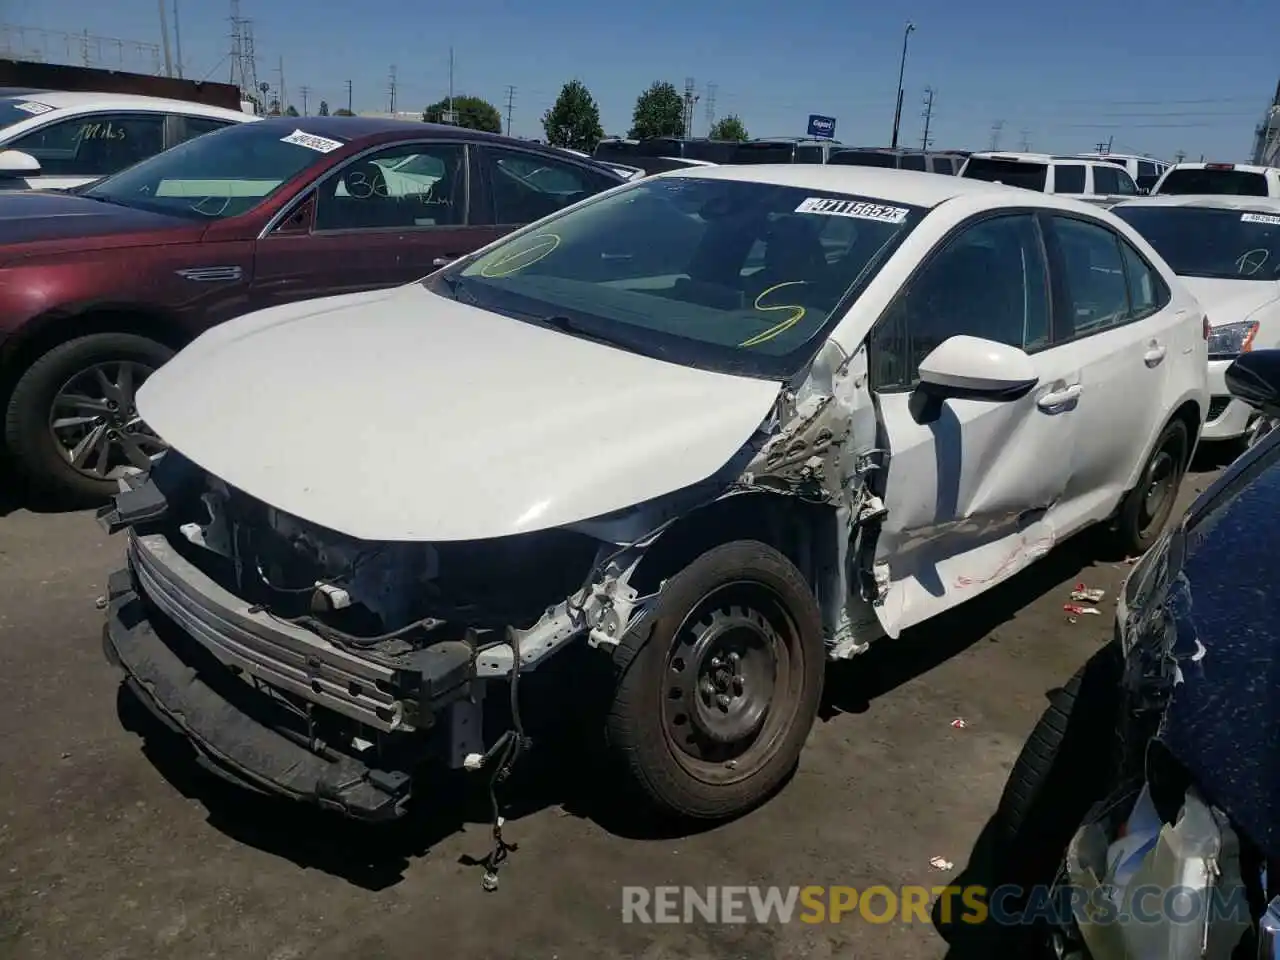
(32, 216)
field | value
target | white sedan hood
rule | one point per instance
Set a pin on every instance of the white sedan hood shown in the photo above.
(402, 415)
(1231, 301)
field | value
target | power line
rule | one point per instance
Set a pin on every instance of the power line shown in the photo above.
(997, 128)
(928, 117)
(511, 99)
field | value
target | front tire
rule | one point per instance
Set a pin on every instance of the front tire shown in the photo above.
(719, 686)
(71, 426)
(1147, 507)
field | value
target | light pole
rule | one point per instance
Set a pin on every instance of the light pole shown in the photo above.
(902, 67)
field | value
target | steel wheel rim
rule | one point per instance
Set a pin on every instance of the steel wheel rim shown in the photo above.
(718, 742)
(1161, 488)
(94, 421)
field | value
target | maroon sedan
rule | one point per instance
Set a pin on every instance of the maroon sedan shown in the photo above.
(99, 288)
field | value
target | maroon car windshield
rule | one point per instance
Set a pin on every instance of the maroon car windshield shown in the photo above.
(217, 175)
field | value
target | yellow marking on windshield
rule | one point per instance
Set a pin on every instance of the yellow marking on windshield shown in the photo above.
(541, 247)
(778, 328)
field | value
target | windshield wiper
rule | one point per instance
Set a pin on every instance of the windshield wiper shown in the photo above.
(575, 329)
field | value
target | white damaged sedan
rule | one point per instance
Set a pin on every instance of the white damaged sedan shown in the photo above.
(721, 425)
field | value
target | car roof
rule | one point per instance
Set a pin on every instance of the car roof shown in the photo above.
(1022, 157)
(1209, 165)
(1206, 201)
(904, 186)
(1118, 156)
(75, 100)
(350, 128)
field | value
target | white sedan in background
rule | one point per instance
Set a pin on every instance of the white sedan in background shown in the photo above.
(1226, 249)
(55, 140)
(734, 421)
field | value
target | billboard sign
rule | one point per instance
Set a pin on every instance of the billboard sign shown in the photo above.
(823, 127)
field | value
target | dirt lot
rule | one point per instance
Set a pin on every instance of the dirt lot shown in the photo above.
(114, 845)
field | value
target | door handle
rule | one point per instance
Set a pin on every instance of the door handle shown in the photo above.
(1059, 398)
(443, 261)
(1154, 354)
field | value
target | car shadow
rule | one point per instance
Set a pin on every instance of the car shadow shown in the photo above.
(16, 495)
(568, 766)
(853, 684)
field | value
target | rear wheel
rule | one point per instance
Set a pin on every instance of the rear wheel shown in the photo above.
(72, 426)
(719, 689)
(1147, 507)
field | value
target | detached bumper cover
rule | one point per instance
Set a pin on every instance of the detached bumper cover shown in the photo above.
(218, 713)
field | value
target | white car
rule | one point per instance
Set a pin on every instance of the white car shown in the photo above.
(1096, 182)
(722, 424)
(1231, 179)
(58, 140)
(1226, 249)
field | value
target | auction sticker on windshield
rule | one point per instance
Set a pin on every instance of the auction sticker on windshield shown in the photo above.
(1260, 218)
(858, 209)
(32, 107)
(312, 142)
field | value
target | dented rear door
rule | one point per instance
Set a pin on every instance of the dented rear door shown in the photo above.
(976, 495)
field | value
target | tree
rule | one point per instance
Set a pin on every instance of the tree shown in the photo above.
(659, 112)
(324, 108)
(470, 112)
(728, 128)
(574, 119)
(292, 111)
(343, 112)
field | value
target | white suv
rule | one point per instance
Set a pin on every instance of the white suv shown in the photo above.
(1230, 179)
(1094, 182)
(1145, 171)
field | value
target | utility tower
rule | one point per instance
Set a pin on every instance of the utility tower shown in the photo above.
(244, 61)
(997, 130)
(711, 107)
(306, 92)
(925, 142)
(284, 93)
(1026, 140)
(690, 100)
(511, 102)
(391, 88)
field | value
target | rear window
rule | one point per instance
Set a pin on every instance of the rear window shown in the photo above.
(864, 158)
(1070, 179)
(764, 153)
(1013, 173)
(661, 147)
(1239, 183)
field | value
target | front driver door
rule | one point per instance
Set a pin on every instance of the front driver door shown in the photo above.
(973, 496)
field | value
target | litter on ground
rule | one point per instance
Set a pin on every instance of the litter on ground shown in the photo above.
(941, 863)
(1087, 594)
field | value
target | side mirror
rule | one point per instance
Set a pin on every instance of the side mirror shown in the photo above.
(15, 163)
(971, 368)
(1254, 377)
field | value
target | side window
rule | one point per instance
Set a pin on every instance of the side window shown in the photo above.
(197, 126)
(1147, 169)
(987, 281)
(1147, 291)
(1094, 277)
(1126, 187)
(1106, 179)
(94, 145)
(402, 187)
(526, 186)
(912, 161)
(941, 165)
(1068, 178)
(808, 155)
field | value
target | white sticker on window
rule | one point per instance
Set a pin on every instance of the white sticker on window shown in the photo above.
(858, 209)
(32, 107)
(312, 142)
(1260, 218)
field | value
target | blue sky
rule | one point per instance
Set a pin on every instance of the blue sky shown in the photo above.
(1158, 77)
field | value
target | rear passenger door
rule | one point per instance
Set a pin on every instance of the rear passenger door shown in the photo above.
(1114, 317)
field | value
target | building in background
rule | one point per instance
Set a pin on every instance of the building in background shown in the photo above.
(1266, 143)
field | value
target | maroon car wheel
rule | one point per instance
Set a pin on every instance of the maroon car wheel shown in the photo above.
(71, 425)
